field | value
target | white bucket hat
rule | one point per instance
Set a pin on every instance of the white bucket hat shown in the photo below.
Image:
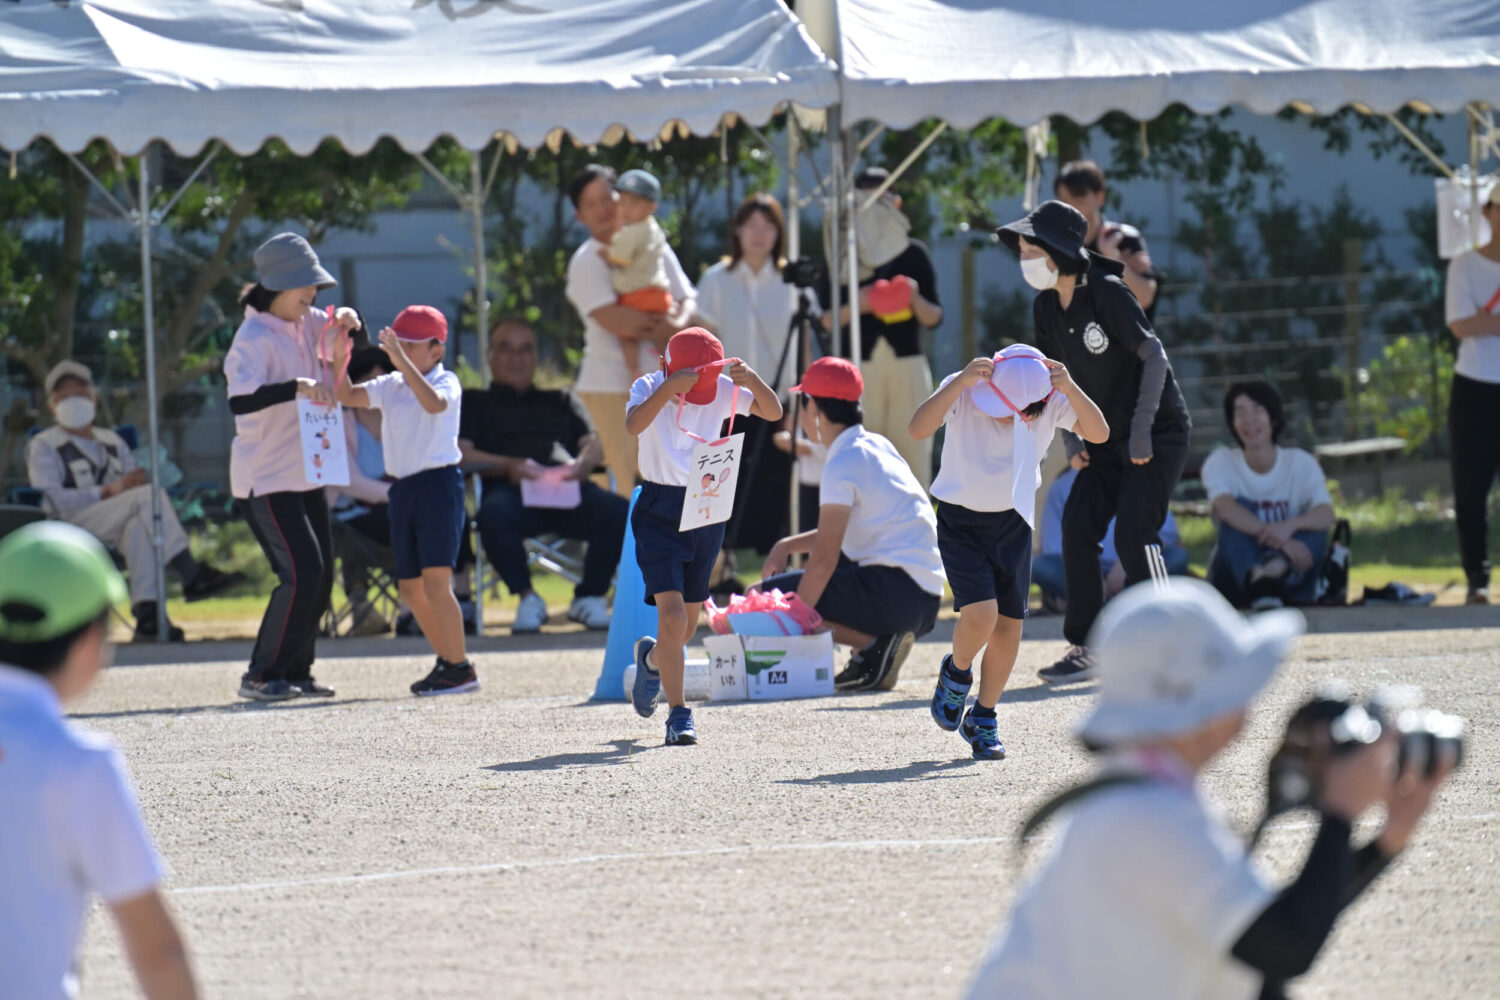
(1172, 658)
(1021, 378)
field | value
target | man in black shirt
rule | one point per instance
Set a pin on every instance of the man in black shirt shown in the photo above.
(1087, 318)
(509, 430)
(1082, 185)
(898, 297)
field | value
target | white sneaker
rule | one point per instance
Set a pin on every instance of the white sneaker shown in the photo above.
(531, 614)
(590, 612)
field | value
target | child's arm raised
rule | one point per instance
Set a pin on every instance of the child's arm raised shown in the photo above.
(766, 405)
(1091, 425)
(344, 391)
(426, 394)
(931, 414)
(639, 417)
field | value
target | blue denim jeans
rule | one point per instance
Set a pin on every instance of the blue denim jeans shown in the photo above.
(1237, 553)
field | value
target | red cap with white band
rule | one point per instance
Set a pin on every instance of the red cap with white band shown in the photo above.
(832, 378)
(696, 348)
(421, 323)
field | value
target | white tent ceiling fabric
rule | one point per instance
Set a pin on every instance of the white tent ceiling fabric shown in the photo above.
(969, 60)
(240, 71)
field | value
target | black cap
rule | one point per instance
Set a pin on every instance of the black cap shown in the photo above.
(871, 178)
(1058, 227)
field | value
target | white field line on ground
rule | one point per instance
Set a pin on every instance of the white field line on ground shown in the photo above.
(702, 852)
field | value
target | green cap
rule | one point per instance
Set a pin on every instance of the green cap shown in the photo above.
(54, 578)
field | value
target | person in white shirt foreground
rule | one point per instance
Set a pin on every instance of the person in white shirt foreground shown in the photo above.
(419, 404)
(1147, 894)
(1001, 413)
(874, 572)
(70, 827)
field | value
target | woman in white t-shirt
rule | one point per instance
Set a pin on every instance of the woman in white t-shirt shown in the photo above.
(743, 300)
(1271, 504)
(1474, 406)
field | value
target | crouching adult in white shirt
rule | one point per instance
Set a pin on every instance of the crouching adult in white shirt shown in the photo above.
(1147, 894)
(70, 827)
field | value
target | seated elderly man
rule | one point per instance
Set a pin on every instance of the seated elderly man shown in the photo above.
(511, 431)
(89, 478)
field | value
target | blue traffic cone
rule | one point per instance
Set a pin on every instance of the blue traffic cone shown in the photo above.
(632, 618)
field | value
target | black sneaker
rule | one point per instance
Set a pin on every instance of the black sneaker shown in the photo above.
(1264, 593)
(310, 688)
(209, 582)
(145, 625)
(1077, 664)
(256, 690)
(884, 657)
(854, 677)
(448, 678)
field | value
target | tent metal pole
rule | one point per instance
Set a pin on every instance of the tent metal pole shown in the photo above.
(481, 264)
(835, 204)
(905, 164)
(114, 202)
(874, 134)
(148, 312)
(1474, 217)
(851, 213)
(793, 252)
(1421, 146)
(182, 189)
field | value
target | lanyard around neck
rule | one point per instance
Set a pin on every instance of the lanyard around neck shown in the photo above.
(734, 400)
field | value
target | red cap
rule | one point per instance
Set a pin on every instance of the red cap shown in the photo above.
(694, 348)
(832, 378)
(421, 323)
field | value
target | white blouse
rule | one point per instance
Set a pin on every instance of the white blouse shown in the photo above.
(751, 310)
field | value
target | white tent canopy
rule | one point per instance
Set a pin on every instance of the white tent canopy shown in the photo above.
(241, 71)
(965, 61)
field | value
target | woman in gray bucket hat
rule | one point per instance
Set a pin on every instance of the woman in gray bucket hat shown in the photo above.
(273, 361)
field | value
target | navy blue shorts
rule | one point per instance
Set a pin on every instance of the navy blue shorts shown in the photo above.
(987, 556)
(875, 600)
(672, 560)
(427, 520)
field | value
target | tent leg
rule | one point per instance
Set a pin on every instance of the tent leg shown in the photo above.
(793, 252)
(835, 204)
(851, 212)
(148, 313)
(481, 263)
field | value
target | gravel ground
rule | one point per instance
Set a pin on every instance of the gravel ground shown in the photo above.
(524, 842)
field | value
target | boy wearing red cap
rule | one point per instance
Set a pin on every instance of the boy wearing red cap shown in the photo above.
(1001, 413)
(670, 411)
(419, 404)
(873, 571)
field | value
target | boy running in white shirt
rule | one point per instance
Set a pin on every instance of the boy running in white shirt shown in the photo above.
(70, 827)
(669, 412)
(1000, 413)
(419, 404)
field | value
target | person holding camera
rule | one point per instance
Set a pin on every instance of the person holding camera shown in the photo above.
(1081, 184)
(1147, 892)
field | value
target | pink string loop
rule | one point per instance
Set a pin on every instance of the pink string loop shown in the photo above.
(734, 400)
(323, 351)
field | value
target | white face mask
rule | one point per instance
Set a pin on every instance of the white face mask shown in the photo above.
(1037, 274)
(75, 412)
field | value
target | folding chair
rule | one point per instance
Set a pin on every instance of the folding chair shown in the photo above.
(550, 552)
(381, 591)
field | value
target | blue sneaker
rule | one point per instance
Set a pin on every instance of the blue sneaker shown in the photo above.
(647, 687)
(948, 699)
(680, 729)
(983, 736)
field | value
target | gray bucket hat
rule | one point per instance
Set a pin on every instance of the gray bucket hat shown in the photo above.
(639, 182)
(287, 261)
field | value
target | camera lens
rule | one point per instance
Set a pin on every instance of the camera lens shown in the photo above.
(1429, 741)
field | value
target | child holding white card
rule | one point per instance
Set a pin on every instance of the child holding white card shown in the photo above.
(419, 404)
(670, 411)
(1001, 412)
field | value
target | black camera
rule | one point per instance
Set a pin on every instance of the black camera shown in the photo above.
(802, 273)
(1131, 240)
(1427, 740)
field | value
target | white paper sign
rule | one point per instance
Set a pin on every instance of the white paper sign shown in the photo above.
(726, 668)
(325, 456)
(713, 474)
(551, 488)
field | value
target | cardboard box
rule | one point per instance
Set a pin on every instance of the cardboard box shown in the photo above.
(769, 668)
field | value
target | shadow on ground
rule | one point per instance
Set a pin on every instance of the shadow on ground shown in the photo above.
(615, 752)
(921, 770)
(235, 707)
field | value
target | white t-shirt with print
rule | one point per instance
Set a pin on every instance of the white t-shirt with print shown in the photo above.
(1473, 284)
(891, 522)
(589, 287)
(977, 462)
(70, 828)
(666, 452)
(1142, 898)
(411, 439)
(1294, 485)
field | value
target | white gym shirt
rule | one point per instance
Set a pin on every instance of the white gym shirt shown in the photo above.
(666, 452)
(70, 827)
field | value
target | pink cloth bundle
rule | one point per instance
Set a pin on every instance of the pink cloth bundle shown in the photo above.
(763, 613)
